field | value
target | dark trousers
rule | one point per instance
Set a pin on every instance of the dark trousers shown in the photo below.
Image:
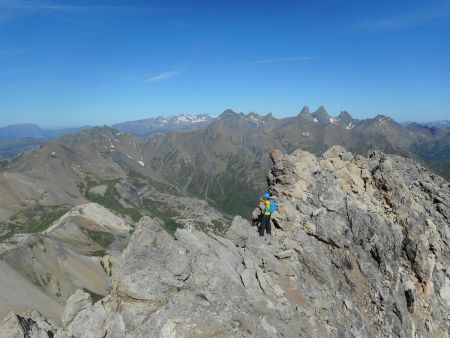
(265, 225)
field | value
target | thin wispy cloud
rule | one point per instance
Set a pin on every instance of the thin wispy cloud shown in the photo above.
(163, 76)
(282, 59)
(406, 20)
(11, 9)
(50, 5)
(30, 6)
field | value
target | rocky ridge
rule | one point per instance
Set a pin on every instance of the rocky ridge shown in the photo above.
(361, 249)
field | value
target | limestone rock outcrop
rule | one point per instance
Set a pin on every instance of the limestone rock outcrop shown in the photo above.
(30, 324)
(382, 237)
(361, 250)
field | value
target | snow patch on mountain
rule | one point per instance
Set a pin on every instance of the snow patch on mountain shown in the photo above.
(181, 122)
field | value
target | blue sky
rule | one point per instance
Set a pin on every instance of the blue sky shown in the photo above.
(69, 63)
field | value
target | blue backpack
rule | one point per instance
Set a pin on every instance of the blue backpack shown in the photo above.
(273, 206)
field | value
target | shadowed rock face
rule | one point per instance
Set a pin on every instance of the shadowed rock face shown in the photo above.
(361, 250)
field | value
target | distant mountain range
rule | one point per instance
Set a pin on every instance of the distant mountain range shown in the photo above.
(181, 122)
(443, 124)
(162, 124)
(19, 137)
(223, 163)
(14, 146)
(438, 124)
(32, 130)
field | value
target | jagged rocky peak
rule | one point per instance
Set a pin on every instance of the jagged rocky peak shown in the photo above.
(321, 115)
(305, 110)
(228, 112)
(268, 117)
(101, 135)
(383, 121)
(256, 120)
(360, 249)
(382, 118)
(228, 118)
(254, 116)
(305, 114)
(345, 117)
(231, 119)
(94, 132)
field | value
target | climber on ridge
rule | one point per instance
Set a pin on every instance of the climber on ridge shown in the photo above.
(268, 207)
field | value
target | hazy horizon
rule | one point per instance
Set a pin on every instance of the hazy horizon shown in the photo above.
(212, 115)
